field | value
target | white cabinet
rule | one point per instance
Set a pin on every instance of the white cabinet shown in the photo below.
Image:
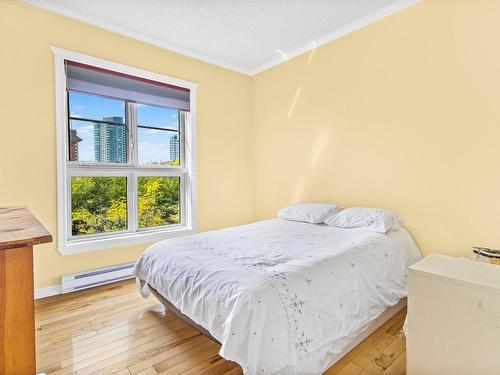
(453, 317)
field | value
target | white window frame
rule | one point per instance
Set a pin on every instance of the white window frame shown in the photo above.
(68, 244)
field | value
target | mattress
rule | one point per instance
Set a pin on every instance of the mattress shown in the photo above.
(282, 297)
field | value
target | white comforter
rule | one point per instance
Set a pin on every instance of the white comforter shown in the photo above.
(282, 297)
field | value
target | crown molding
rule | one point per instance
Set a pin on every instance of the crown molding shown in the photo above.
(54, 8)
(353, 26)
(347, 29)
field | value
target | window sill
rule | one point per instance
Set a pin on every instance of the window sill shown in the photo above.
(71, 247)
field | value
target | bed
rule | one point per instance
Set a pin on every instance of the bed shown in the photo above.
(282, 297)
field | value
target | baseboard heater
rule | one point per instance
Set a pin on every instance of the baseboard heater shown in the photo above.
(93, 278)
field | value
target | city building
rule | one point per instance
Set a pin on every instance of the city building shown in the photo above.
(110, 141)
(174, 148)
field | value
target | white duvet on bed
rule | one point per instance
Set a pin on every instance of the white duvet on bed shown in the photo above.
(282, 297)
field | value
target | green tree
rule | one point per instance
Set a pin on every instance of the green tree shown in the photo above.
(158, 201)
(99, 204)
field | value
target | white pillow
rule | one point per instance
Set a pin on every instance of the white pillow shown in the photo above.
(374, 219)
(313, 213)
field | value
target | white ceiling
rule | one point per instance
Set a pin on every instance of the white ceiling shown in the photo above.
(243, 35)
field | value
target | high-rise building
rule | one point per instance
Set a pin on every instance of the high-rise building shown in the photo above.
(174, 148)
(110, 141)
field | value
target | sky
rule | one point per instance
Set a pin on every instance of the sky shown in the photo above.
(153, 145)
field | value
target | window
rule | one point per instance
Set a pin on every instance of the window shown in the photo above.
(125, 157)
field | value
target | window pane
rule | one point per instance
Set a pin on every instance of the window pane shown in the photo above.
(158, 201)
(157, 117)
(95, 107)
(158, 147)
(97, 142)
(98, 204)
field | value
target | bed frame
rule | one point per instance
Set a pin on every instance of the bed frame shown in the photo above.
(176, 311)
(378, 322)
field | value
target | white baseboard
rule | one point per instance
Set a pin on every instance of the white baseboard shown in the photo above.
(48, 291)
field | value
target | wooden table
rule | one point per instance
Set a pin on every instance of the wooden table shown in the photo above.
(19, 231)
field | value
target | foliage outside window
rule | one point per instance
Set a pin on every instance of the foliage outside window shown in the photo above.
(98, 204)
(158, 201)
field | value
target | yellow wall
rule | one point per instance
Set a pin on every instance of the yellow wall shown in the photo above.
(402, 114)
(27, 137)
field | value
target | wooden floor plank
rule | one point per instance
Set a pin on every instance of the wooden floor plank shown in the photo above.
(398, 367)
(351, 369)
(164, 353)
(219, 367)
(148, 371)
(373, 350)
(190, 362)
(113, 330)
(385, 359)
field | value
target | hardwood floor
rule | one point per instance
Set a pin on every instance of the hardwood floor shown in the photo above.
(113, 330)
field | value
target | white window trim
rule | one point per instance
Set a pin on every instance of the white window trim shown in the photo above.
(67, 246)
